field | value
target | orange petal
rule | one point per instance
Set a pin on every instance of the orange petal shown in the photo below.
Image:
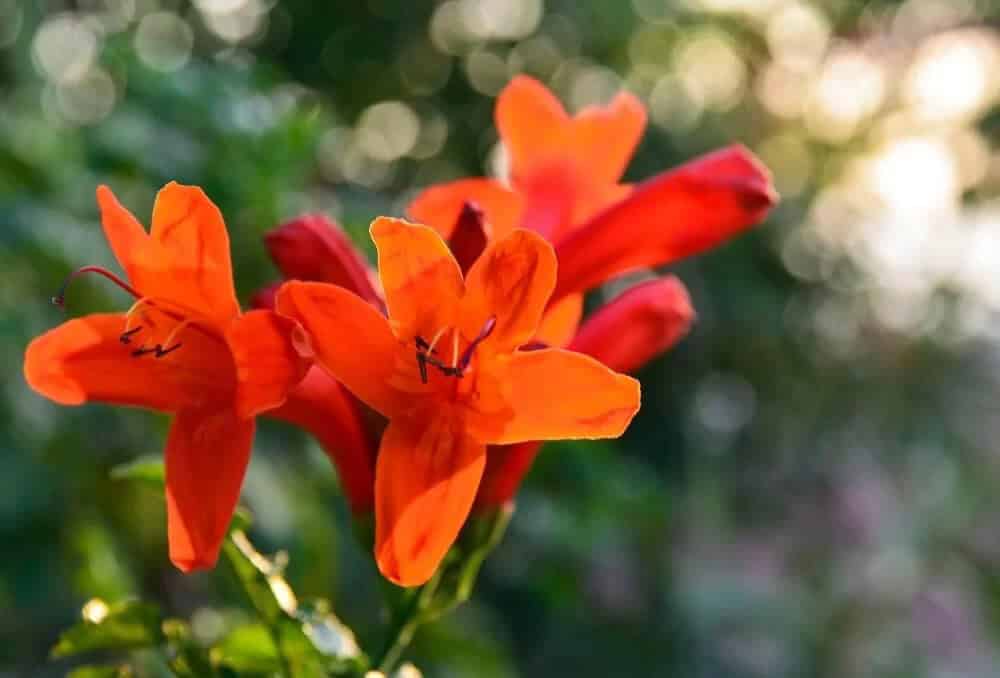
(272, 354)
(603, 138)
(530, 121)
(557, 394)
(425, 482)
(560, 322)
(636, 326)
(128, 239)
(420, 277)
(83, 360)
(192, 236)
(440, 206)
(352, 340)
(677, 214)
(511, 281)
(206, 459)
(322, 406)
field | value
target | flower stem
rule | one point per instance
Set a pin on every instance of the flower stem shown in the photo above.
(406, 622)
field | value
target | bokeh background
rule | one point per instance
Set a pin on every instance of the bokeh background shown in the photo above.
(810, 489)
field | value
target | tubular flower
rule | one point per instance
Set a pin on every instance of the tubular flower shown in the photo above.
(564, 184)
(184, 348)
(445, 370)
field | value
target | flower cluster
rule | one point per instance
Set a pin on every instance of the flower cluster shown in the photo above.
(433, 384)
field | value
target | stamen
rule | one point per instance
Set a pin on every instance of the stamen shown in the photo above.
(126, 336)
(459, 364)
(487, 330)
(160, 351)
(60, 298)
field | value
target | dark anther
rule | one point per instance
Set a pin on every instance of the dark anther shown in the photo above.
(126, 337)
(160, 351)
(142, 350)
(422, 346)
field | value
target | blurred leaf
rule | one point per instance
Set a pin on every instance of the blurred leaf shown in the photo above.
(101, 672)
(148, 469)
(126, 625)
(248, 648)
(188, 659)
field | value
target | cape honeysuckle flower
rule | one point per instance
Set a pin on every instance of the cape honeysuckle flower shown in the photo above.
(629, 331)
(445, 369)
(184, 348)
(564, 184)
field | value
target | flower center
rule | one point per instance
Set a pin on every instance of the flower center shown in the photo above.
(158, 324)
(427, 353)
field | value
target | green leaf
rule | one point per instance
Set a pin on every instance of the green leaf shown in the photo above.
(248, 648)
(100, 672)
(187, 658)
(147, 469)
(126, 625)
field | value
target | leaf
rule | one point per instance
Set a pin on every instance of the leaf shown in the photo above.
(187, 658)
(248, 648)
(125, 625)
(100, 672)
(147, 469)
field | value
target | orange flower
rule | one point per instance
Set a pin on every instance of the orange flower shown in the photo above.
(445, 369)
(183, 348)
(564, 184)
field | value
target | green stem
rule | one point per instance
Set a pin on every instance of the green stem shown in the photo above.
(284, 667)
(406, 623)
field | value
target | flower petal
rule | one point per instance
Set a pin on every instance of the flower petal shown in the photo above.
(207, 456)
(677, 214)
(421, 278)
(83, 360)
(126, 236)
(557, 394)
(425, 482)
(317, 249)
(560, 322)
(351, 339)
(603, 138)
(440, 206)
(530, 121)
(636, 326)
(191, 232)
(272, 354)
(322, 406)
(511, 281)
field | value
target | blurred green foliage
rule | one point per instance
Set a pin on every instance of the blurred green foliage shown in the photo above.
(809, 489)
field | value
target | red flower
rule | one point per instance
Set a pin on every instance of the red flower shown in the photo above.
(564, 184)
(183, 348)
(445, 369)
